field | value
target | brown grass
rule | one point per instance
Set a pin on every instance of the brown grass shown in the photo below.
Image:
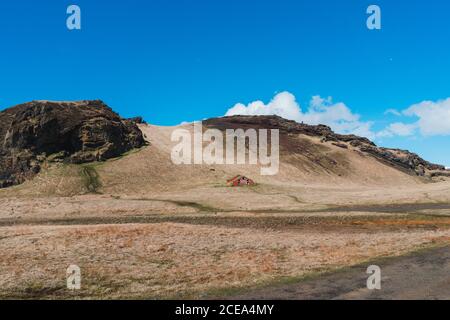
(178, 260)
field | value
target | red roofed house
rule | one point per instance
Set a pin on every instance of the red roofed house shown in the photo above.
(239, 181)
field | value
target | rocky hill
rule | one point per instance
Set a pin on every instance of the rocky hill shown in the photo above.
(400, 159)
(44, 132)
(73, 132)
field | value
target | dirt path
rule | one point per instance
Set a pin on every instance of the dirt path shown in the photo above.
(424, 275)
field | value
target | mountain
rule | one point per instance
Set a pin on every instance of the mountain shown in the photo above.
(84, 141)
(403, 160)
(72, 132)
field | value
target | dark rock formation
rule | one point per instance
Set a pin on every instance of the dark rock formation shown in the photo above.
(404, 159)
(74, 132)
(285, 126)
(137, 120)
(400, 159)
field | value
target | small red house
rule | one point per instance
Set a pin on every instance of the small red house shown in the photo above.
(239, 181)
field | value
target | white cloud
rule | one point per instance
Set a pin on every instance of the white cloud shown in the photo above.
(321, 111)
(434, 117)
(393, 111)
(398, 129)
(283, 105)
(433, 120)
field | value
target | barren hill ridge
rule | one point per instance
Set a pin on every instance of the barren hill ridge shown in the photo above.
(89, 131)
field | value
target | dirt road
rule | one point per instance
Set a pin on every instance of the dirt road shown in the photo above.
(424, 275)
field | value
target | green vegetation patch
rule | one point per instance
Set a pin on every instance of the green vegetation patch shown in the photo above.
(91, 178)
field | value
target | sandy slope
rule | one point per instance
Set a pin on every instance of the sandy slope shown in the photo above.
(152, 170)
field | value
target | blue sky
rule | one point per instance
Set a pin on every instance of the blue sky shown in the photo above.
(172, 61)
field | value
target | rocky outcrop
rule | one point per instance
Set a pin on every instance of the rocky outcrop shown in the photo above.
(286, 126)
(400, 159)
(74, 132)
(405, 160)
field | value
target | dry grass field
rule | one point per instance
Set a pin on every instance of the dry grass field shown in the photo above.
(184, 260)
